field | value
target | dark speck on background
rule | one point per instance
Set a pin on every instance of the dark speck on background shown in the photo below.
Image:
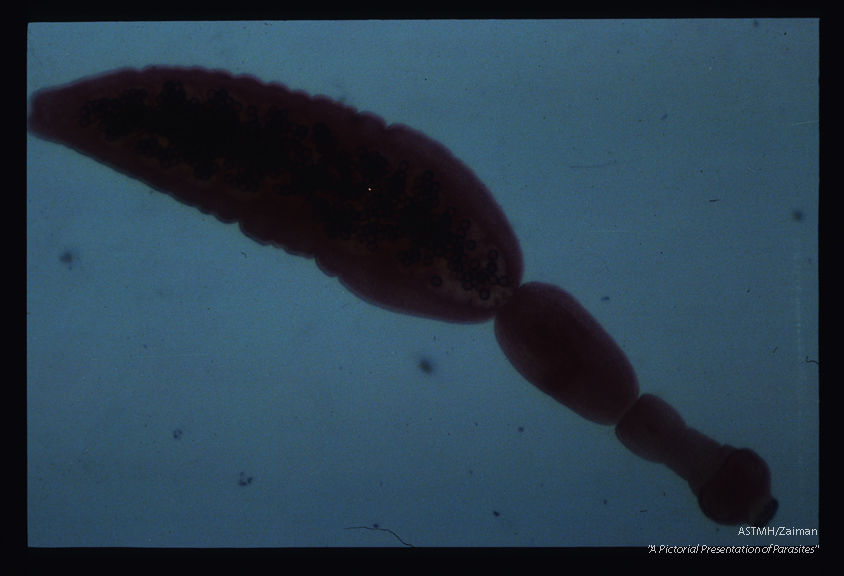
(68, 257)
(426, 365)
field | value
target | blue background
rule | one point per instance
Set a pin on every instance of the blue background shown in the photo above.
(606, 143)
